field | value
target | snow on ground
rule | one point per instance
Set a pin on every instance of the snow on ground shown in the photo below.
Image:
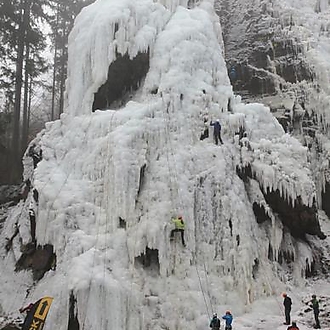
(269, 313)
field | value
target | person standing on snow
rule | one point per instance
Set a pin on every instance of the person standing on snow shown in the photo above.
(179, 227)
(216, 131)
(215, 322)
(316, 310)
(229, 320)
(287, 302)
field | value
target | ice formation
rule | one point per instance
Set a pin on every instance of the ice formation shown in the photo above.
(111, 180)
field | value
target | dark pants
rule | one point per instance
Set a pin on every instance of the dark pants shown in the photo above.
(217, 137)
(287, 315)
(316, 316)
(182, 234)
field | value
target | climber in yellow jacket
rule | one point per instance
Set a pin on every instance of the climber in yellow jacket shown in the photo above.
(179, 227)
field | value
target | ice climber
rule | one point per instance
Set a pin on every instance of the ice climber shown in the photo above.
(35, 155)
(215, 322)
(179, 227)
(32, 216)
(287, 302)
(233, 75)
(293, 326)
(316, 310)
(205, 133)
(217, 131)
(229, 320)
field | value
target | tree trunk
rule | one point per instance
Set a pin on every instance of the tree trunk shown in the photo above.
(54, 84)
(64, 59)
(55, 65)
(25, 128)
(62, 81)
(29, 107)
(16, 167)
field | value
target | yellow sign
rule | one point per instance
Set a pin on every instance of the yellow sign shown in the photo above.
(42, 309)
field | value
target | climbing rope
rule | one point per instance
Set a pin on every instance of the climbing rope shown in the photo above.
(201, 286)
(173, 173)
(207, 284)
(97, 218)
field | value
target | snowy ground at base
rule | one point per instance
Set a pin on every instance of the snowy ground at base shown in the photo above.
(269, 313)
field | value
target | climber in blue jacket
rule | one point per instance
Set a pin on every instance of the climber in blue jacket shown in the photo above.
(233, 75)
(229, 319)
(216, 131)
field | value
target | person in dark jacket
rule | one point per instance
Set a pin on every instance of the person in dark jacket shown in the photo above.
(205, 133)
(229, 320)
(287, 302)
(217, 131)
(215, 322)
(32, 217)
(233, 75)
(316, 310)
(36, 155)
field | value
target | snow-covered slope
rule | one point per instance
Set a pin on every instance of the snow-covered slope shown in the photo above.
(111, 180)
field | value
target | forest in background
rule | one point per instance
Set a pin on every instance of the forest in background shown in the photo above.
(33, 69)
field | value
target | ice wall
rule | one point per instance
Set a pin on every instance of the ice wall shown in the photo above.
(121, 27)
(110, 181)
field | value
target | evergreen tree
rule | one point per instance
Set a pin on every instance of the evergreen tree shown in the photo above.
(21, 42)
(62, 23)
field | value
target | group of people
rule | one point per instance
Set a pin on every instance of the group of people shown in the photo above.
(287, 302)
(228, 317)
(215, 322)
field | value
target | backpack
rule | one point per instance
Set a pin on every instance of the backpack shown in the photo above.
(215, 323)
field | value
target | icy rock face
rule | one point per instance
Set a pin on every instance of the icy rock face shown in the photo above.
(268, 44)
(271, 186)
(110, 181)
(280, 51)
